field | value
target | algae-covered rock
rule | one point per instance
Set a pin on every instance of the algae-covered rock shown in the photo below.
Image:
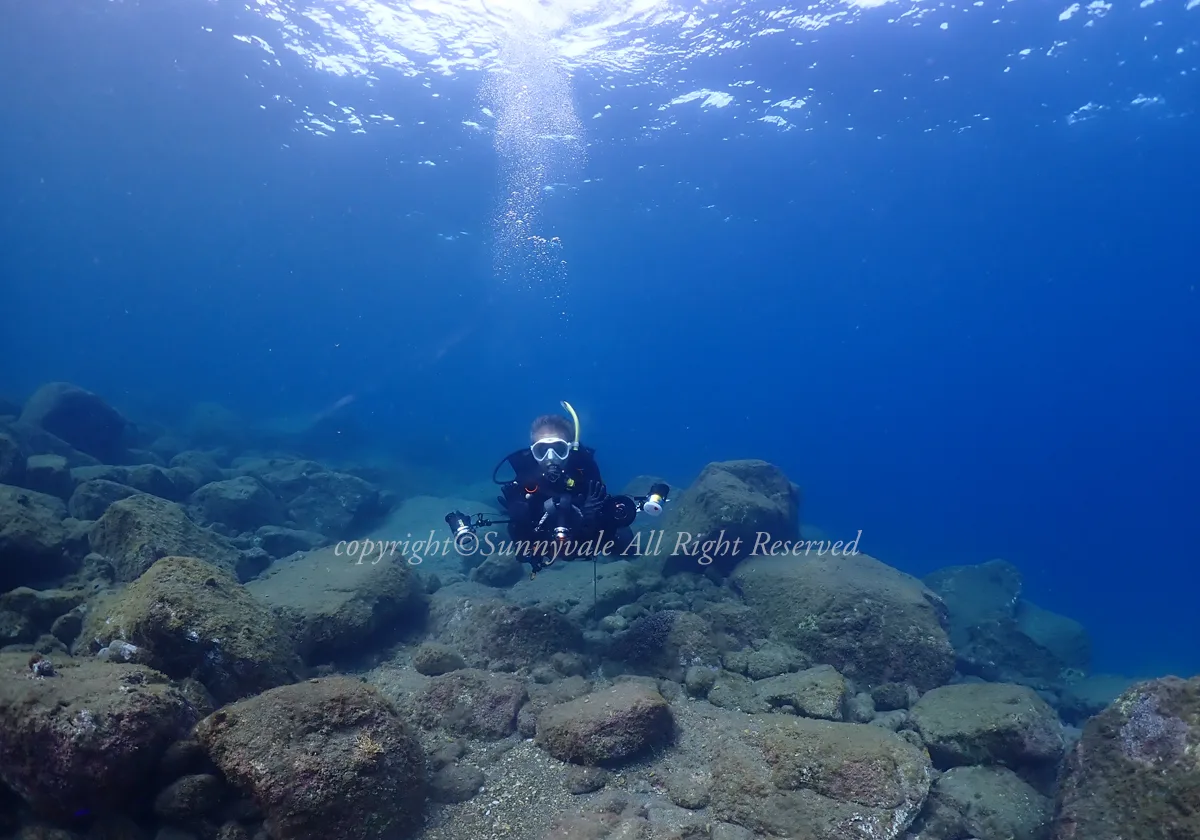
(988, 723)
(242, 503)
(33, 541)
(12, 460)
(1001, 637)
(729, 500)
(472, 702)
(976, 594)
(606, 727)
(188, 618)
(153, 479)
(666, 643)
(819, 692)
(136, 532)
(280, 542)
(49, 474)
(491, 631)
(433, 659)
(26, 614)
(92, 498)
(87, 738)
(873, 623)
(1133, 775)
(331, 503)
(79, 417)
(322, 758)
(787, 776)
(34, 440)
(987, 803)
(333, 605)
(202, 464)
(737, 693)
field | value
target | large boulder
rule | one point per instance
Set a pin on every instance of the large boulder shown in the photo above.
(333, 604)
(136, 532)
(26, 614)
(92, 498)
(1134, 774)
(1001, 637)
(79, 417)
(495, 634)
(12, 460)
(49, 474)
(188, 618)
(33, 540)
(873, 623)
(83, 737)
(322, 758)
(786, 776)
(34, 440)
(173, 484)
(471, 702)
(988, 723)
(666, 643)
(988, 803)
(728, 501)
(606, 727)
(331, 503)
(242, 504)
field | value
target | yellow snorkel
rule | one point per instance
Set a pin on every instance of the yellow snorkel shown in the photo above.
(575, 418)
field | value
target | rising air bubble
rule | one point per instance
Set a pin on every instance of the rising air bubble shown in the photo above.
(538, 139)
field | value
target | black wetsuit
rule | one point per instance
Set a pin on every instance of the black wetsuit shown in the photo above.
(545, 505)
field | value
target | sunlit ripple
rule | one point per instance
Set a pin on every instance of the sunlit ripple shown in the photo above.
(671, 51)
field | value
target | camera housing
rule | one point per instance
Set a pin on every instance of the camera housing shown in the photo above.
(654, 500)
(466, 540)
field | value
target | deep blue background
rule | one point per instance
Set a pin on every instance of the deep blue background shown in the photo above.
(968, 344)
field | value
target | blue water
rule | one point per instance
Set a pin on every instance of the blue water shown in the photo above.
(953, 296)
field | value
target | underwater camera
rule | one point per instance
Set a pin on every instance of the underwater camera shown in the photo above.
(654, 501)
(465, 538)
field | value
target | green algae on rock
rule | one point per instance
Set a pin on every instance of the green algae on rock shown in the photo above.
(88, 738)
(1135, 772)
(873, 623)
(819, 780)
(134, 533)
(324, 758)
(189, 618)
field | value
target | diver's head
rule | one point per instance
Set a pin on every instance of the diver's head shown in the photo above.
(550, 440)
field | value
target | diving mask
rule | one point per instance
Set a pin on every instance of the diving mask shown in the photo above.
(551, 450)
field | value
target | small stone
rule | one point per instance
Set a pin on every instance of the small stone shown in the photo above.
(189, 798)
(456, 783)
(689, 789)
(433, 659)
(861, 708)
(447, 755)
(581, 780)
(699, 680)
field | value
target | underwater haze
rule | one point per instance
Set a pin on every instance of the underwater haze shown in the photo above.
(937, 261)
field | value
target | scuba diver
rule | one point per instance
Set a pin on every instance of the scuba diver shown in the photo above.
(557, 503)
